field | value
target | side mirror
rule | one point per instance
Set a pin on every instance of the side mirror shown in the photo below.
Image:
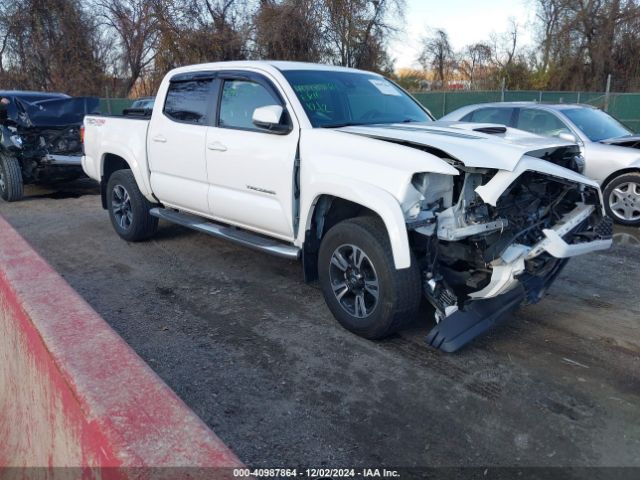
(269, 118)
(569, 137)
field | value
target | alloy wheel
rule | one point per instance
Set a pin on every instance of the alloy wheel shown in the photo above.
(121, 207)
(624, 201)
(354, 280)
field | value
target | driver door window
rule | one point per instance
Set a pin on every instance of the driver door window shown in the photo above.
(239, 100)
(541, 123)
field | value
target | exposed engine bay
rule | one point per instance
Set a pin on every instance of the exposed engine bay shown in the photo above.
(43, 133)
(472, 251)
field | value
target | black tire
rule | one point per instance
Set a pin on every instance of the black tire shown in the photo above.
(622, 199)
(11, 183)
(399, 291)
(124, 200)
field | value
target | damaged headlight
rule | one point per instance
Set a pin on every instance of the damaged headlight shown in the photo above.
(16, 140)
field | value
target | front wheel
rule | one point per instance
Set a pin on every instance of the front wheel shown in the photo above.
(360, 283)
(11, 183)
(622, 199)
(128, 208)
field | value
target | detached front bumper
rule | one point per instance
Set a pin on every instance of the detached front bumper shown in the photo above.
(559, 242)
(557, 247)
(522, 273)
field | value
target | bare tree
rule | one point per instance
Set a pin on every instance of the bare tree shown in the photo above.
(49, 45)
(356, 31)
(474, 62)
(134, 28)
(437, 54)
(290, 30)
(584, 41)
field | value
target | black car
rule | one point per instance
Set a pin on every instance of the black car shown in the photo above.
(40, 139)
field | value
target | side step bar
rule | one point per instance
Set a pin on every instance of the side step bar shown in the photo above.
(241, 237)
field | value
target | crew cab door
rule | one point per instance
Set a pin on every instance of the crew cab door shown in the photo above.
(250, 170)
(176, 142)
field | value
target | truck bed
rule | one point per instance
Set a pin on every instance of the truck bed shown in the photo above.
(126, 136)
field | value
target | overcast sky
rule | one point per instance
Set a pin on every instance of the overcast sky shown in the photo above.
(466, 21)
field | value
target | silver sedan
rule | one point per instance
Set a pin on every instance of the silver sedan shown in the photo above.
(611, 151)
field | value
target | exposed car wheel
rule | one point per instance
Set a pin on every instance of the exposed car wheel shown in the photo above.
(360, 283)
(128, 208)
(622, 199)
(11, 183)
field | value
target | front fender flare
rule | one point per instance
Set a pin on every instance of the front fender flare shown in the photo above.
(379, 201)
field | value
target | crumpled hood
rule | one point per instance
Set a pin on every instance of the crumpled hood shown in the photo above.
(57, 112)
(462, 141)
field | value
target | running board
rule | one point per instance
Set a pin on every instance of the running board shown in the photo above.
(241, 237)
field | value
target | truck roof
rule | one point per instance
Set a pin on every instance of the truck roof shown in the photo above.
(266, 64)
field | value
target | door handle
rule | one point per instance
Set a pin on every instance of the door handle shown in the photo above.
(160, 139)
(217, 146)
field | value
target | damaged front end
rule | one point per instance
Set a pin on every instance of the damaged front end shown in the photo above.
(44, 135)
(490, 240)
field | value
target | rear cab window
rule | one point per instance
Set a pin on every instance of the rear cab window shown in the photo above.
(189, 101)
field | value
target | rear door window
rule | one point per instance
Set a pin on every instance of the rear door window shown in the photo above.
(189, 101)
(499, 115)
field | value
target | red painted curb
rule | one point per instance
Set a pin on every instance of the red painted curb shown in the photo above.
(72, 392)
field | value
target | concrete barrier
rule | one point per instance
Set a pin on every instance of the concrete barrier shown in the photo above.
(72, 392)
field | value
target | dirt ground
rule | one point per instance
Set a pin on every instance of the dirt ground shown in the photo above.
(257, 355)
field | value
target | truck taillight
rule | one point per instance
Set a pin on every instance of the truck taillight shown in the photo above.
(82, 133)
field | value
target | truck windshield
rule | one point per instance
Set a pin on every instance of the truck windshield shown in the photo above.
(338, 99)
(596, 124)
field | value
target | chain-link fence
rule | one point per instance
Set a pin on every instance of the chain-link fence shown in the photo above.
(624, 106)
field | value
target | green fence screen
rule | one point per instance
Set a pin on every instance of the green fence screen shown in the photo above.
(624, 106)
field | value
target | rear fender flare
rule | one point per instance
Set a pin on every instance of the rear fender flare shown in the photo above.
(142, 177)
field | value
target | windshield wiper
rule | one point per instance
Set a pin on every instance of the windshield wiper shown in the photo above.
(343, 124)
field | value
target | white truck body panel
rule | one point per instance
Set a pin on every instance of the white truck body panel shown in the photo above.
(489, 210)
(123, 137)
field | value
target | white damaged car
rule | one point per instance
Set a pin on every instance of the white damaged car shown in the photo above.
(344, 170)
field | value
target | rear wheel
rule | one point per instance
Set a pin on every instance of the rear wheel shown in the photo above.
(11, 183)
(360, 283)
(128, 208)
(622, 199)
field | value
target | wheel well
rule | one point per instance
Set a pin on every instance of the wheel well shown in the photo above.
(328, 211)
(112, 163)
(617, 173)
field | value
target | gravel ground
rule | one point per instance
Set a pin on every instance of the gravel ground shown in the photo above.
(257, 355)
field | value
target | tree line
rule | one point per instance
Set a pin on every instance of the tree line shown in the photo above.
(123, 48)
(578, 44)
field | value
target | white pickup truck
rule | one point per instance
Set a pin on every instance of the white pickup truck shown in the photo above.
(345, 170)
